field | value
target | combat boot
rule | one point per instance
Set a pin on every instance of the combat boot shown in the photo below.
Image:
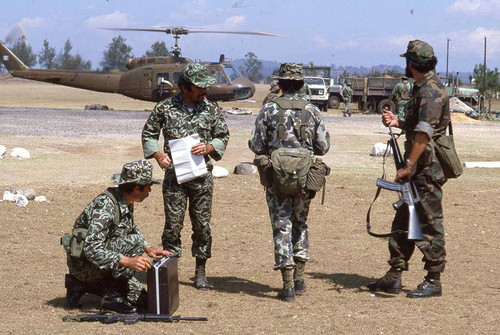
(298, 278)
(287, 294)
(390, 282)
(200, 278)
(114, 301)
(74, 291)
(428, 288)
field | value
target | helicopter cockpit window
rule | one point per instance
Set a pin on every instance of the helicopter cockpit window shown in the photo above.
(160, 76)
(231, 72)
(219, 76)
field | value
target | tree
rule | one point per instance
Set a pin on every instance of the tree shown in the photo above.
(492, 79)
(253, 68)
(158, 49)
(117, 55)
(24, 52)
(69, 62)
(46, 57)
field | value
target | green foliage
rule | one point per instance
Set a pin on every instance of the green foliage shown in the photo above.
(47, 56)
(492, 79)
(158, 49)
(24, 52)
(253, 68)
(69, 62)
(117, 55)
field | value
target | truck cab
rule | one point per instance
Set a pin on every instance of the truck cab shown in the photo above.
(319, 92)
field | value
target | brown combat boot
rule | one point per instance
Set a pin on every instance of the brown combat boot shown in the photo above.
(287, 294)
(390, 282)
(200, 278)
(298, 278)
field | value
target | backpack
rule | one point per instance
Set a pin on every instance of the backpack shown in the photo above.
(290, 165)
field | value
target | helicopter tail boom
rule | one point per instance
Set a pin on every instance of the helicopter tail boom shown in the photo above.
(11, 62)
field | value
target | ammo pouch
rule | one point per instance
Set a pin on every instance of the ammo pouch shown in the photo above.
(316, 177)
(73, 243)
(265, 168)
(291, 166)
(444, 147)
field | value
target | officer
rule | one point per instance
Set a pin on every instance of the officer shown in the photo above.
(402, 93)
(347, 95)
(184, 114)
(274, 91)
(428, 115)
(113, 248)
(302, 127)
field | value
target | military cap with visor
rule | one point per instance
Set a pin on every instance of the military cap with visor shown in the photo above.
(197, 74)
(291, 71)
(139, 172)
(419, 50)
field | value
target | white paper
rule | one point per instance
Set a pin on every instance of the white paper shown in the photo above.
(186, 165)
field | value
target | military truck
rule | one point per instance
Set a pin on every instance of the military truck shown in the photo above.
(333, 92)
(319, 92)
(372, 93)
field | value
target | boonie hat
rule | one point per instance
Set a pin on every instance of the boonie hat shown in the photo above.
(197, 74)
(291, 71)
(274, 86)
(139, 172)
(419, 50)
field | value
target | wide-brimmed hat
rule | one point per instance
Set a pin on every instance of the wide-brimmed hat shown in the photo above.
(418, 50)
(291, 71)
(197, 74)
(138, 172)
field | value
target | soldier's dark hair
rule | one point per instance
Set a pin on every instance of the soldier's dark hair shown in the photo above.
(129, 187)
(184, 83)
(423, 66)
(288, 85)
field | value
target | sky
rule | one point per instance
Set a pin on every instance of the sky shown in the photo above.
(344, 33)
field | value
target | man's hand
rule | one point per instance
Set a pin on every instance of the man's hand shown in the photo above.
(153, 252)
(138, 263)
(389, 119)
(202, 149)
(162, 159)
(403, 173)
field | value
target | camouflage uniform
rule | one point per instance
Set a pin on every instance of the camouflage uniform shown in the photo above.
(274, 91)
(107, 242)
(402, 93)
(172, 118)
(347, 95)
(288, 214)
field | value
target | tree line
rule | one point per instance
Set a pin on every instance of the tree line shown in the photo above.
(114, 57)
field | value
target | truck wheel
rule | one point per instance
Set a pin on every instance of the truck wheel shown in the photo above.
(370, 105)
(334, 102)
(385, 103)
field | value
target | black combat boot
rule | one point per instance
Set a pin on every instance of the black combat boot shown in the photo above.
(298, 278)
(390, 282)
(288, 292)
(114, 299)
(430, 287)
(200, 278)
(74, 291)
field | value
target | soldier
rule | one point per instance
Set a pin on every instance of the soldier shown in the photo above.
(347, 95)
(402, 93)
(185, 114)
(113, 246)
(274, 91)
(427, 117)
(288, 214)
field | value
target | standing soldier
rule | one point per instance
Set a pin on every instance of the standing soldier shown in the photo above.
(428, 115)
(274, 91)
(290, 122)
(402, 93)
(347, 95)
(182, 115)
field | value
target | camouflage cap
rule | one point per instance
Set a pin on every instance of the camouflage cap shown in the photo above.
(139, 172)
(274, 86)
(291, 71)
(419, 50)
(404, 77)
(197, 74)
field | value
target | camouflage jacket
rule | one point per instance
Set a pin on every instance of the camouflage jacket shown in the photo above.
(397, 91)
(99, 218)
(264, 139)
(171, 117)
(347, 94)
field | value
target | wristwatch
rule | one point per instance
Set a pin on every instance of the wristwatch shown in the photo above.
(409, 163)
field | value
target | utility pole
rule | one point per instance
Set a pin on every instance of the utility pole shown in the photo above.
(447, 59)
(483, 85)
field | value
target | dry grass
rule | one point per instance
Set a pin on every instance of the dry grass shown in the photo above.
(71, 171)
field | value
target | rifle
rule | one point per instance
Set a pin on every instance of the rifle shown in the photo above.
(408, 192)
(128, 319)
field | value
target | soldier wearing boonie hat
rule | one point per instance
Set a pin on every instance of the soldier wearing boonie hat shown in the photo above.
(427, 117)
(113, 246)
(288, 121)
(184, 114)
(274, 91)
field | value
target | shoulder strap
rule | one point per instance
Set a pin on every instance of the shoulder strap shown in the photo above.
(117, 207)
(295, 104)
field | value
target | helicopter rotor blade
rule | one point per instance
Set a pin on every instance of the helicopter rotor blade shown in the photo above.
(184, 31)
(235, 32)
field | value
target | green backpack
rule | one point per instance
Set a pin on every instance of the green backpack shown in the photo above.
(290, 165)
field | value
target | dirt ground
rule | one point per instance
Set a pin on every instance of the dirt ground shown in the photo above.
(74, 152)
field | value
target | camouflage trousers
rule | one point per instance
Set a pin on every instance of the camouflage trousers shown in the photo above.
(347, 104)
(175, 198)
(401, 106)
(288, 216)
(132, 245)
(430, 215)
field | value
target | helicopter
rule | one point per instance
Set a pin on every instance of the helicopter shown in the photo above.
(147, 78)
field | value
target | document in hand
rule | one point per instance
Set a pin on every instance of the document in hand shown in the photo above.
(186, 165)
